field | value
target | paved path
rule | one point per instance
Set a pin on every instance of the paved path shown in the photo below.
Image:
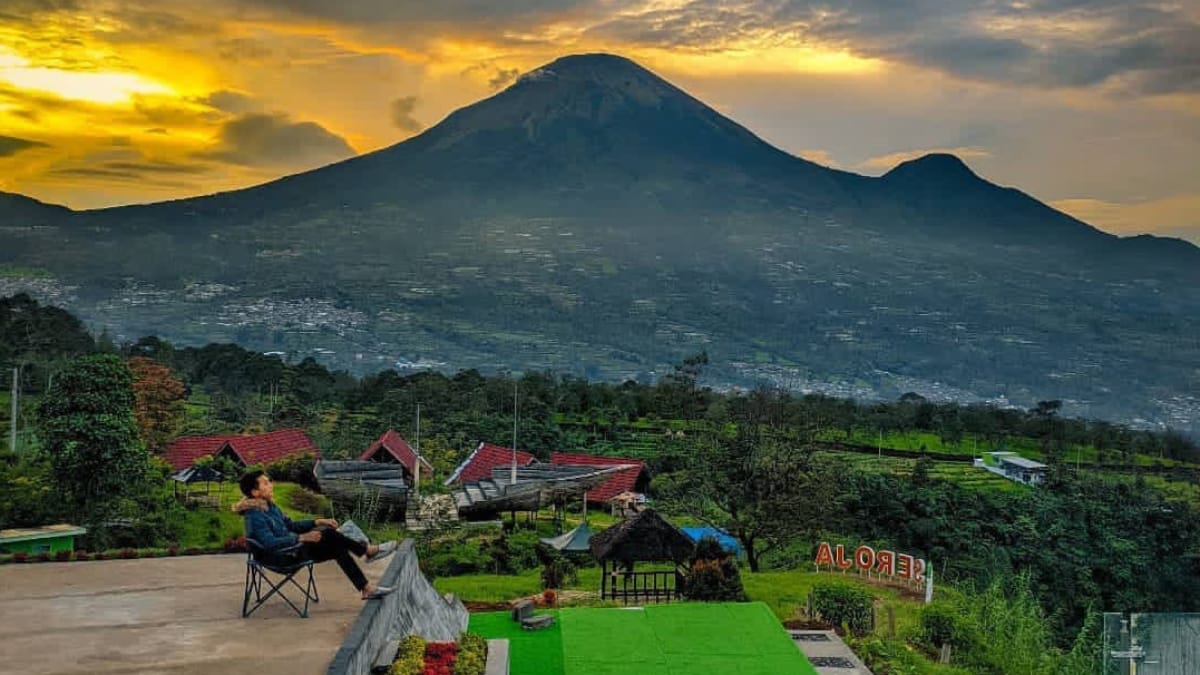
(164, 615)
(828, 654)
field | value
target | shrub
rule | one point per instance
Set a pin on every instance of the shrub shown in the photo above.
(894, 657)
(20, 557)
(410, 659)
(472, 655)
(549, 597)
(309, 502)
(522, 550)
(841, 604)
(127, 553)
(462, 557)
(44, 556)
(945, 623)
(713, 574)
(295, 469)
(557, 569)
(235, 545)
(62, 556)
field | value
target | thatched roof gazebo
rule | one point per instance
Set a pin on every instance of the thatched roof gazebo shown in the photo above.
(645, 537)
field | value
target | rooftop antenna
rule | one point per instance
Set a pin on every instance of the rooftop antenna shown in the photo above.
(513, 475)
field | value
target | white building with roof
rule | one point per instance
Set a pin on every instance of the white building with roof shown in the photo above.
(1013, 467)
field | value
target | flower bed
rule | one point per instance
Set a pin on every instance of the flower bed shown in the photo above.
(468, 656)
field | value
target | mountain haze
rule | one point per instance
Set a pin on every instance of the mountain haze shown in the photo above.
(594, 218)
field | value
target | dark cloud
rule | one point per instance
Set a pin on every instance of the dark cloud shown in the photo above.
(25, 11)
(232, 102)
(244, 50)
(258, 139)
(151, 167)
(503, 77)
(1138, 46)
(10, 145)
(116, 174)
(402, 114)
(370, 12)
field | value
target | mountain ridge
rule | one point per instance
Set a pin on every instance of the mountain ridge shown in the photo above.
(608, 224)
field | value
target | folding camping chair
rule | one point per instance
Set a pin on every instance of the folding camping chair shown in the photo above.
(260, 563)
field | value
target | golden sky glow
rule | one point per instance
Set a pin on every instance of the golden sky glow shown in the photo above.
(93, 86)
(116, 101)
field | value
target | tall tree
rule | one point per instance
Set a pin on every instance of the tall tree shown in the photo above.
(90, 437)
(158, 402)
(761, 489)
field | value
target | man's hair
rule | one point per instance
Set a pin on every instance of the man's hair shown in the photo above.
(249, 482)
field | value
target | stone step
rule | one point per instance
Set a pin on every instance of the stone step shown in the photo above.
(497, 658)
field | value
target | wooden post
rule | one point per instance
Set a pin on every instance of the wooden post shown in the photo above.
(891, 612)
(944, 657)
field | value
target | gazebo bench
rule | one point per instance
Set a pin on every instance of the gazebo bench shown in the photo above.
(523, 613)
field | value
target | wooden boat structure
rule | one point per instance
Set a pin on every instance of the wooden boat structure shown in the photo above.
(354, 483)
(536, 485)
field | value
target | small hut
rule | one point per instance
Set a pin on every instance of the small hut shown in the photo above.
(578, 540)
(645, 537)
(627, 504)
(198, 474)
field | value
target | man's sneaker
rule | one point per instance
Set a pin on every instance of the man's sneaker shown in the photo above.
(379, 592)
(385, 549)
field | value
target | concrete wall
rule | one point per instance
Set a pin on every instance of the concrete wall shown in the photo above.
(414, 608)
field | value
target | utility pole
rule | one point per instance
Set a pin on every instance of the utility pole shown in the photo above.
(513, 476)
(417, 461)
(16, 391)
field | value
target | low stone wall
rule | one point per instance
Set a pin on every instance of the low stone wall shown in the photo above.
(414, 608)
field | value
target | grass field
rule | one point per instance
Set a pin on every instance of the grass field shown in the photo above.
(206, 526)
(677, 639)
(962, 474)
(784, 593)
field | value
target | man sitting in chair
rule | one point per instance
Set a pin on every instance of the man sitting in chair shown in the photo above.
(319, 539)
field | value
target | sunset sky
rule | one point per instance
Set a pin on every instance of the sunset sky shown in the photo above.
(1090, 105)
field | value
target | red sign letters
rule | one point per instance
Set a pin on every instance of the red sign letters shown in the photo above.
(867, 559)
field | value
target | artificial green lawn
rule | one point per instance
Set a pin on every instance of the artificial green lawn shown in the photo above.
(678, 639)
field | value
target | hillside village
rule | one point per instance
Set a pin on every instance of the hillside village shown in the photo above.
(914, 479)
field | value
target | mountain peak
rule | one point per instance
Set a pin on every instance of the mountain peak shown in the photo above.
(935, 165)
(590, 66)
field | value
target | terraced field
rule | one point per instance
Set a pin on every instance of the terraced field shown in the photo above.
(957, 472)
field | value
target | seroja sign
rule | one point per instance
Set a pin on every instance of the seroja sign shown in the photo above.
(867, 559)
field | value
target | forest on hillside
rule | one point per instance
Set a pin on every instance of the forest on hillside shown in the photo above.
(1099, 535)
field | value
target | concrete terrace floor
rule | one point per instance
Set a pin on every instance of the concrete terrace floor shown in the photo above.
(165, 615)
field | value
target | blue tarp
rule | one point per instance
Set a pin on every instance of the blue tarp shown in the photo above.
(723, 538)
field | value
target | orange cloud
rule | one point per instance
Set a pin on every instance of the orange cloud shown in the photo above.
(1178, 215)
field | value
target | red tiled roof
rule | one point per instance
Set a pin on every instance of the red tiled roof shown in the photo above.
(622, 481)
(183, 452)
(257, 449)
(394, 444)
(272, 446)
(485, 458)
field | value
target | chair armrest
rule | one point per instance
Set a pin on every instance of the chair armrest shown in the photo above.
(256, 548)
